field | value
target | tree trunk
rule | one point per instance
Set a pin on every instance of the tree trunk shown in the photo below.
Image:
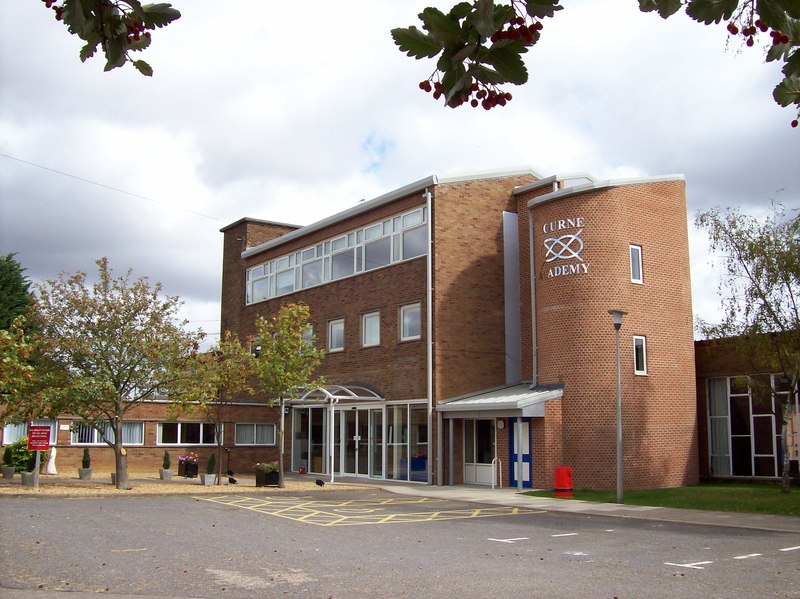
(120, 461)
(786, 480)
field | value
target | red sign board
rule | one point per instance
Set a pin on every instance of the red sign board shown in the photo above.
(38, 437)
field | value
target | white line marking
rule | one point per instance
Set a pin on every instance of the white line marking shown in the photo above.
(566, 534)
(695, 565)
(577, 553)
(511, 541)
(610, 530)
(790, 548)
(746, 556)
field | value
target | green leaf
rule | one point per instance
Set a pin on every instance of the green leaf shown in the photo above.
(143, 68)
(711, 11)
(483, 18)
(442, 27)
(540, 9)
(115, 52)
(91, 46)
(460, 10)
(465, 53)
(508, 64)
(486, 75)
(159, 15)
(416, 43)
(790, 7)
(792, 66)
(665, 8)
(787, 91)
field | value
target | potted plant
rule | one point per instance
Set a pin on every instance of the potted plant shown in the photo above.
(85, 471)
(28, 473)
(8, 462)
(187, 465)
(267, 474)
(210, 477)
(165, 472)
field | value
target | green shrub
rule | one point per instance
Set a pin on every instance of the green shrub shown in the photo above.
(86, 461)
(22, 458)
(211, 467)
(166, 463)
(8, 456)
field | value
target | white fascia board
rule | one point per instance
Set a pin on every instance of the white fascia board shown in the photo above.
(417, 186)
(386, 198)
(595, 185)
(550, 181)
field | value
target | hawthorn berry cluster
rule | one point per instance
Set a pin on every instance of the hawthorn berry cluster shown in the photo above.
(477, 95)
(57, 9)
(136, 29)
(518, 30)
(778, 37)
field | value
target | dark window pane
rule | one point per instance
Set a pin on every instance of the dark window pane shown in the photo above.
(765, 466)
(415, 242)
(762, 400)
(169, 432)
(742, 465)
(208, 434)
(740, 415)
(763, 435)
(739, 384)
(342, 264)
(190, 433)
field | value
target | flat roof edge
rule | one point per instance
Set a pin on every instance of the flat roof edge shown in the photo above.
(607, 184)
(248, 219)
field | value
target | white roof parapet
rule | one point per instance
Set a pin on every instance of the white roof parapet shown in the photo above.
(595, 185)
(416, 186)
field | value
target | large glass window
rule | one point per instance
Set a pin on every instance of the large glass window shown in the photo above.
(639, 355)
(186, 433)
(636, 264)
(410, 322)
(85, 434)
(376, 245)
(336, 335)
(371, 329)
(255, 433)
(12, 432)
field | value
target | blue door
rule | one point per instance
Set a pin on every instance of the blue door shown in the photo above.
(524, 448)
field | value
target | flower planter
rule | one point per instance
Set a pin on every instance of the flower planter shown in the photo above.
(187, 469)
(267, 479)
(85, 473)
(8, 471)
(165, 474)
(209, 479)
(27, 478)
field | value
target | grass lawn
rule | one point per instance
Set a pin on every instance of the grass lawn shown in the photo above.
(754, 498)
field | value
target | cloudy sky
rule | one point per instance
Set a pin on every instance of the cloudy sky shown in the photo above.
(295, 111)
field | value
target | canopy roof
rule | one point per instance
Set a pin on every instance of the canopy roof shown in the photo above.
(335, 393)
(521, 400)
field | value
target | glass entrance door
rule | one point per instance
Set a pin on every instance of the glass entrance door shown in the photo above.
(356, 439)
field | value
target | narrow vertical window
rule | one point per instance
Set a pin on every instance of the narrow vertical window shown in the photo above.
(410, 322)
(636, 264)
(336, 335)
(371, 329)
(639, 355)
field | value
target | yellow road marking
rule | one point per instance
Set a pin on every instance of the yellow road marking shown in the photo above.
(355, 512)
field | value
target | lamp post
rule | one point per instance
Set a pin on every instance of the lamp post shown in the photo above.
(616, 319)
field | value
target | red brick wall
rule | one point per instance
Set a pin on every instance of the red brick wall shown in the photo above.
(576, 339)
(148, 457)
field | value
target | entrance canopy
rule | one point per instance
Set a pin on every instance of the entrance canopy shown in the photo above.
(336, 393)
(522, 400)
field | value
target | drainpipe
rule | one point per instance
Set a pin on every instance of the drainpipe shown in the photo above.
(534, 357)
(429, 347)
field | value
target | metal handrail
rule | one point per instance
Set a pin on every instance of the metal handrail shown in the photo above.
(494, 472)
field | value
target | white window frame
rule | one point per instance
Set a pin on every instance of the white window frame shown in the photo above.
(640, 371)
(331, 324)
(255, 426)
(97, 438)
(403, 309)
(637, 263)
(365, 319)
(179, 443)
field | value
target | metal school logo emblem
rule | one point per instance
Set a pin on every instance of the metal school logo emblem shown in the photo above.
(564, 246)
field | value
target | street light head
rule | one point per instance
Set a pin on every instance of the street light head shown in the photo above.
(616, 317)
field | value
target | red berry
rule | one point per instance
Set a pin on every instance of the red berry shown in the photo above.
(784, 39)
(794, 123)
(733, 29)
(750, 42)
(473, 103)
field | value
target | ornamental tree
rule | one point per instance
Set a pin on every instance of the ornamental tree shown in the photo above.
(211, 381)
(479, 45)
(286, 360)
(16, 371)
(760, 295)
(118, 341)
